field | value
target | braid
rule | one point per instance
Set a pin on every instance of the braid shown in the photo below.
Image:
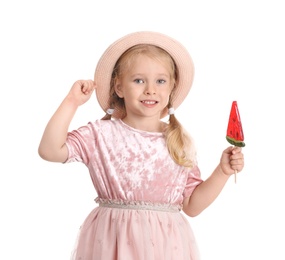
(179, 143)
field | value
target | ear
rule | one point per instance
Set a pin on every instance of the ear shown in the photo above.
(118, 89)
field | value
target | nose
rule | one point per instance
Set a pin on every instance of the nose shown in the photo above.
(150, 89)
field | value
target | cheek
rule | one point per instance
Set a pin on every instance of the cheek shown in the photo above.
(168, 92)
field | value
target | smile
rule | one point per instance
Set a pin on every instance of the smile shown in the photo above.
(149, 102)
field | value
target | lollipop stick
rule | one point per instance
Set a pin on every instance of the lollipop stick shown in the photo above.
(235, 174)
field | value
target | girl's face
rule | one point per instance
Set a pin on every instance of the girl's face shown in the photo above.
(145, 87)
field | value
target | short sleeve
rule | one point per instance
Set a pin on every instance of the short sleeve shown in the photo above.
(80, 144)
(194, 179)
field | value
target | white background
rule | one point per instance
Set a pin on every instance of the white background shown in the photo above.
(238, 51)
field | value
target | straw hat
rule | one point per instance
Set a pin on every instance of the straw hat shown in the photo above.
(109, 58)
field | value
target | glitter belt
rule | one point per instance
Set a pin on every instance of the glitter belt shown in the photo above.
(138, 205)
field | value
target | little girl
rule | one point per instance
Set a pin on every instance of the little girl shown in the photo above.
(144, 169)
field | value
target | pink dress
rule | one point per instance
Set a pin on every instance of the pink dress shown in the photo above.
(140, 193)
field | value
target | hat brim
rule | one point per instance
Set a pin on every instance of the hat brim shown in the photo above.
(109, 58)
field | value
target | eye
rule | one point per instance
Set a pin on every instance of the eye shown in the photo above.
(161, 81)
(139, 81)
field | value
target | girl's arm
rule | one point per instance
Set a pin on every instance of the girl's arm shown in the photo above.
(52, 146)
(204, 194)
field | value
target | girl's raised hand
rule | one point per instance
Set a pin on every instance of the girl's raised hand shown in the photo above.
(81, 91)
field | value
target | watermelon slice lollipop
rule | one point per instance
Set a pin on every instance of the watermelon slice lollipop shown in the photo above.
(234, 132)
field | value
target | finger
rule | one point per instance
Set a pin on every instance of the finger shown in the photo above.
(236, 161)
(91, 85)
(236, 150)
(87, 86)
(236, 155)
(237, 165)
(229, 150)
(84, 87)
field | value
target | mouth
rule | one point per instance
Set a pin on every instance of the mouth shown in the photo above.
(149, 102)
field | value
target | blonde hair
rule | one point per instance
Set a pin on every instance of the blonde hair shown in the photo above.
(179, 143)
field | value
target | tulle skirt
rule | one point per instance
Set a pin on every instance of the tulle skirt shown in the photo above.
(112, 232)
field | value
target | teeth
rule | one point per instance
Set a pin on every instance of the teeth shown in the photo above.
(149, 102)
